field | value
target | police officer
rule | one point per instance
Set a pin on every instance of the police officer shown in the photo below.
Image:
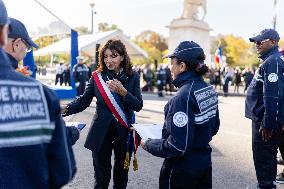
(19, 43)
(161, 80)
(81, 75)
(280, 176)
(191, 119)
(34, 151)
(265, 107)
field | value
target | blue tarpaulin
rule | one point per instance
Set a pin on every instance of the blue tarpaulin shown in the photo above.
(29, 62)
(74, 54)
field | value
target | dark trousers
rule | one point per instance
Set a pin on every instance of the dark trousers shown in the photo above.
(180, 179)
(102, 162)
(281, 146)
(226, 86)
(264, 156)
(67, 80)
(81, 88)
(60, 78)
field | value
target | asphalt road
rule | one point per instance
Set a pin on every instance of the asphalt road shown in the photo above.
(232, 157)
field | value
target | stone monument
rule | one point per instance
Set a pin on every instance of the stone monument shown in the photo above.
(191, 26)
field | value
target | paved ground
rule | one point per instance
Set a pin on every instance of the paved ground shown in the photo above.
(232, 156)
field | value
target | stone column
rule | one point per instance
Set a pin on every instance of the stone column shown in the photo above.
(188, 29)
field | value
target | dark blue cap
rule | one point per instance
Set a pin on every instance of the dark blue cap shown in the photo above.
(266, 34)
(18, 30)
(3, 14)
(187, 51)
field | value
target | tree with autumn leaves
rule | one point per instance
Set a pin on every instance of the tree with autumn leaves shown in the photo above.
(154, 44)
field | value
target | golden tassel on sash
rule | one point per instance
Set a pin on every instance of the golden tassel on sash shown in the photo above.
(126, 161)
(135, 163)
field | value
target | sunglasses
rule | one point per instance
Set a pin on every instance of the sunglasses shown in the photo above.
(261, 42)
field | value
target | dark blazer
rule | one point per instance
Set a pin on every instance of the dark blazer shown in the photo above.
(103, 118)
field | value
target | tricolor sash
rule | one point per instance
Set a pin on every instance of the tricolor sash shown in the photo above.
(116, 107)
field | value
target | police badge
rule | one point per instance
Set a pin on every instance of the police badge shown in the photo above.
(272, 77)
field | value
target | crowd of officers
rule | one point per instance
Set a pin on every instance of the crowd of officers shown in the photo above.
(222, 79)
(159, 78)
(228, 76)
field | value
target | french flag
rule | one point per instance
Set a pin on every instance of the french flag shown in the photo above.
(218, 56)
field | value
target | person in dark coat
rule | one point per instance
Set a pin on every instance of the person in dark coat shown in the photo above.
(106, 133)
(66, 75)
(248, 76)
(265, 107)
(34, 150)
(168, 86)
(237, 80)
(191, 120)
(280, 176)
(18, 33)
(81, 75)
(161, 80)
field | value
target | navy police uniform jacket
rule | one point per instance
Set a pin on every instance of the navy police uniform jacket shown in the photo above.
(71, 131)
(81, 73)
(34, 150)
(103, 117)
(191, 119)
(265, 96)
(13, 61)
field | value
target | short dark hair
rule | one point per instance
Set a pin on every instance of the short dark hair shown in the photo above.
(195, 65)
(116, 46)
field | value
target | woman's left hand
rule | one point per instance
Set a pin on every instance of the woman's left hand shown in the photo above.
(116, 86)
(142, 143)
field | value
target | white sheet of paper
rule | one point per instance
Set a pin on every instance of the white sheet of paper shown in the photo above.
(153, 131)
(70, 124)
(74, 124)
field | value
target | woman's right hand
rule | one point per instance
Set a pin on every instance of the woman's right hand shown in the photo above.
(64, 109)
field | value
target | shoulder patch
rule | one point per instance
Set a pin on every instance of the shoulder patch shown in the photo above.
(206, 98)
(180, 119)
(272, 77)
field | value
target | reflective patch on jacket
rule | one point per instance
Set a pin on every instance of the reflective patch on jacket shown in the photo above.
(207, 101)
(24, 115)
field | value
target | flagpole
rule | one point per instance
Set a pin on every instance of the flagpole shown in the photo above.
(275, 14)
(40, 4)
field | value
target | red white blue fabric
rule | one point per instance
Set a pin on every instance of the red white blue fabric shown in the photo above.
(109, 99)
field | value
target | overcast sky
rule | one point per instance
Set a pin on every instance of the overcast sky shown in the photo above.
(238, 17)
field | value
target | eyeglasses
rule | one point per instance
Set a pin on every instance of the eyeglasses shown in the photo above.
(261, 42)
(29, 48)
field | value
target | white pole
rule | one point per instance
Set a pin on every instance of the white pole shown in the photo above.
(275, 14)
(40, 4)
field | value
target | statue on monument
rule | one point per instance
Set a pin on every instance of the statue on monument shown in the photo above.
(191, 9)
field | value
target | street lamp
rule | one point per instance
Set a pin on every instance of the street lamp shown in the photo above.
(92, 4)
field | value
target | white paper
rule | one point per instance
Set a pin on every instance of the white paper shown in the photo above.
(153, 131)
(74, 124)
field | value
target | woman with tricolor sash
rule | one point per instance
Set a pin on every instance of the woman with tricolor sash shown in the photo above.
(117, 90)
